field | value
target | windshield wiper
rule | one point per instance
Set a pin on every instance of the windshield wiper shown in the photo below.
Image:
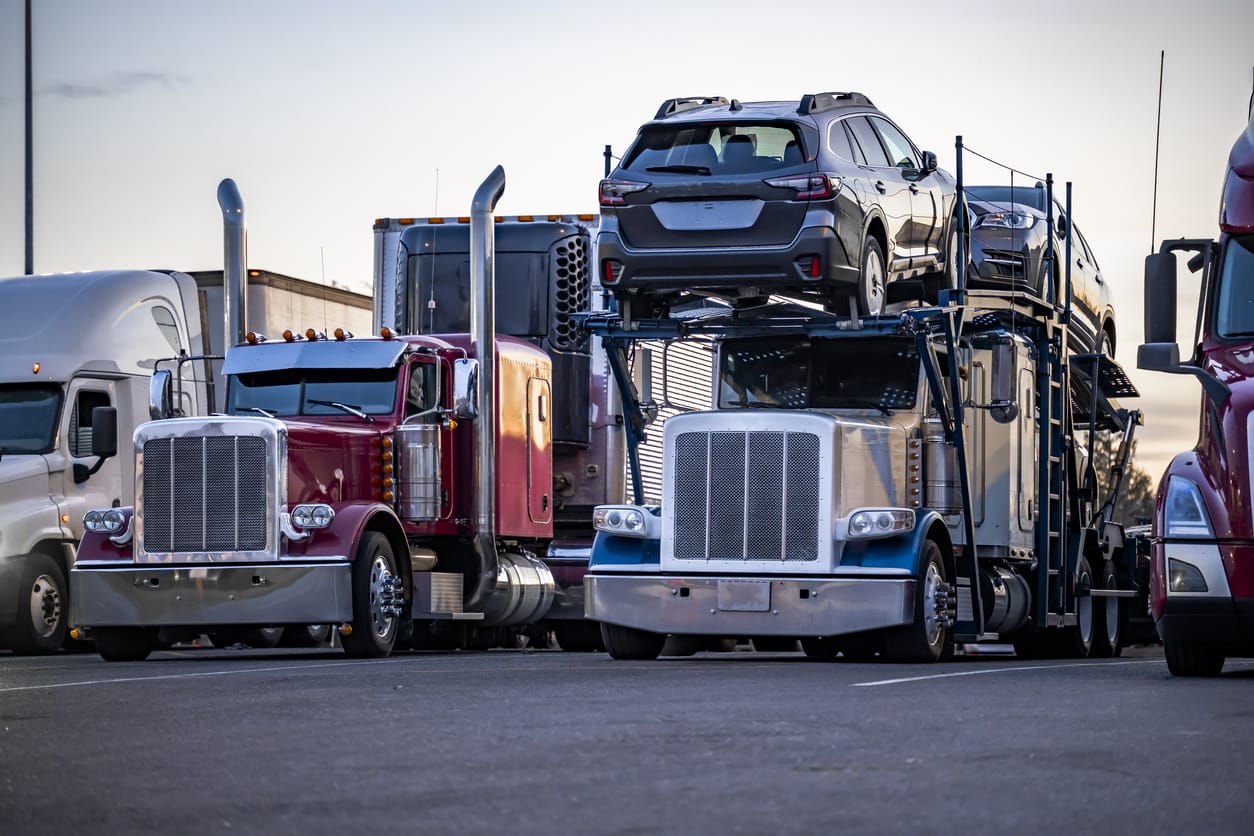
(351, 409)
(863, 403)
(264, 412)
(680, 169)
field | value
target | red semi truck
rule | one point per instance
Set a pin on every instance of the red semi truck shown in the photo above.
(1202, 553)
(399, 486)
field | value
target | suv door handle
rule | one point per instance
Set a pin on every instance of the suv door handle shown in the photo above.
(914, 188)
(880, 187)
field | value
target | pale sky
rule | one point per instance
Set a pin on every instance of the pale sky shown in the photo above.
(330, 113)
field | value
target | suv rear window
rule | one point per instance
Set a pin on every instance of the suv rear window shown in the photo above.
(723, 148)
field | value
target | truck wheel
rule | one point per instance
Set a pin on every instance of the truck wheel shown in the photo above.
(927, 639)
(629, 643)
(578, 636)
(124, 644)
(375, 589)
(872, 279)
(1076, 642)
(774, 644)
(305, 635)
(42, 608)
(825, 647)
(261, 638)
(1107, 616)
(1186, 658)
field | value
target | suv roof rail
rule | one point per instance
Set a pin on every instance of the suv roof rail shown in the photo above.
(673, 106)
(814, 102)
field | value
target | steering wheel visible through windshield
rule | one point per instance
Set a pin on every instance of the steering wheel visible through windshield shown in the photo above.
(313, 392)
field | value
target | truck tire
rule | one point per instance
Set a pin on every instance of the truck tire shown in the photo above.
(629, 643)
(823, 647)
(1190, 658)
(125, 644)
(872, 279)
(261, 638)
(578, 636)
(42, 608)
(1076, 642)
(374, 576)
(305, 635)
(1108, 615)
(926, 639)
(774, 644)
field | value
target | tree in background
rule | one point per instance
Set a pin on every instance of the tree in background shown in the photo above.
(1136, 495)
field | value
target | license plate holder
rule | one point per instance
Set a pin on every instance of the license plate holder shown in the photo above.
(744, 596)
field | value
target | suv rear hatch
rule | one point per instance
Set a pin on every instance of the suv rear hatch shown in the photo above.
(706, 185)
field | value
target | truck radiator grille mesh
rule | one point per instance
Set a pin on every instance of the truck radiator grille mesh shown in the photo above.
(746, 496)
(571, 289)
(204, 494)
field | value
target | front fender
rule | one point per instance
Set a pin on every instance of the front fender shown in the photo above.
(97, 545)
(612, 553)
(341, 537)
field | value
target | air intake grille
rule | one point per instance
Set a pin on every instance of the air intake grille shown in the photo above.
(571, 288)
(746, 496)
(204, 494)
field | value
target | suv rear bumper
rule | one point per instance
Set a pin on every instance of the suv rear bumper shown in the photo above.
(722, 268)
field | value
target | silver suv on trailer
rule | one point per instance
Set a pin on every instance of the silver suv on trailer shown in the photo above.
(826, 199)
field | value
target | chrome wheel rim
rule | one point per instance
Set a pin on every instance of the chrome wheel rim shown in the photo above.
(45, 606)
(381, 579)
(931, 624)
(1084, 610)
(1112, 615)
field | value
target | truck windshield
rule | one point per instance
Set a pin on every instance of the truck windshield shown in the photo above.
(1234, 313)
(848, 373)
(28, 417)
(313, 391)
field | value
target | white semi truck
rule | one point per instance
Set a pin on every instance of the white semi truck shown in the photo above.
(72, 342)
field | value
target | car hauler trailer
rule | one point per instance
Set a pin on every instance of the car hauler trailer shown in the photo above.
(385, 484)
(1202, 554)
(76, 341)
(882, 486)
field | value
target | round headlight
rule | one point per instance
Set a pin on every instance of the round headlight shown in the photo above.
(91, 520)
(615, 518)
(322, 516)
(301, 517)
(884, 521)
(860, 523)
(634, 520)
(113, 520)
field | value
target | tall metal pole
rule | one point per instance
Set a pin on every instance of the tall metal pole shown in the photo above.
(30, 168)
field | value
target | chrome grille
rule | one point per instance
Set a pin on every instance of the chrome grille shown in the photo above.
(204, 494)
(746, 495)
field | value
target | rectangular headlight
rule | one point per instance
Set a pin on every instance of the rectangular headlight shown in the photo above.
(628, 521)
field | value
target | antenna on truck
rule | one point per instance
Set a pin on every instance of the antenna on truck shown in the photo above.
(1158, 130)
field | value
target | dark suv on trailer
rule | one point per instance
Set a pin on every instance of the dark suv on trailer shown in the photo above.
(823, 198)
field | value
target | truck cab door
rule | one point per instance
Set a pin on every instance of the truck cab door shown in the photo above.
(539, 451)
(105, 487)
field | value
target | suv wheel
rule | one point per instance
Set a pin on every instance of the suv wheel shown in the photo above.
(872, 279)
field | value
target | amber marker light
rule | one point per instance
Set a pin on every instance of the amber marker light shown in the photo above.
(311, 334)
(65, 518)
(35, 368)
(385, 332)
(340, 335)
(289, 336)
(250, 338)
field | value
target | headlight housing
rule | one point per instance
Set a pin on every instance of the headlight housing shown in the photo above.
(114, 522)
(1184, 512)
(868, 523)
(316, 515)
(627, 521)
(1006, 220)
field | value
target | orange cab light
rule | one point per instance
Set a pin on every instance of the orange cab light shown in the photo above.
(435, 220)
(35, 368)
(387, 441)
(387, 483)
(340, 334)
(387, 457)
(526, 218)
(385, 332)
(388, 496)
(387, 470)
(452, 425)
(289, 336)
(311, 334)
(586, 217)
(463, 219)
(254, 273)
(405, 221)
(251, 338)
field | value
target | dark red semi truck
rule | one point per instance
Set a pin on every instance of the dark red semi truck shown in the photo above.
(1202, 553)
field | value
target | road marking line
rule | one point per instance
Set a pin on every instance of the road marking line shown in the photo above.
(1004, 670)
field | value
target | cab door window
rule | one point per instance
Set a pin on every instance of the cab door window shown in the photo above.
(80, 420)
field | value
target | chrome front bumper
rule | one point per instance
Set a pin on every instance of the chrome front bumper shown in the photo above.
(745, 606)
(158, 596)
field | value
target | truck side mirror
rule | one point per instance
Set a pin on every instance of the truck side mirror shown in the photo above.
(1005, 372)
(104, 431)
(1158, 357)
(104, 441)
(160, 395)
(1160, 298)
(465, 387)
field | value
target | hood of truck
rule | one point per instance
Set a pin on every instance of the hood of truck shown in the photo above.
(334, 460)
(1221, 463)
(764, 489)
(26, 506)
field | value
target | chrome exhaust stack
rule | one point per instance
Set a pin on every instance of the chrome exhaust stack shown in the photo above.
(511, 588)
(234, 265)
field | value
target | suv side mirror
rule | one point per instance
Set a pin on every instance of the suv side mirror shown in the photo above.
(465, 388)
(160, 395)
(929, 162)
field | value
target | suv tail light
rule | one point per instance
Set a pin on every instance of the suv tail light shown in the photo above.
(613, 191)
(808, 186)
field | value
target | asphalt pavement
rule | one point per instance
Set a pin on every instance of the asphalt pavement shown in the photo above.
(200, 741)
